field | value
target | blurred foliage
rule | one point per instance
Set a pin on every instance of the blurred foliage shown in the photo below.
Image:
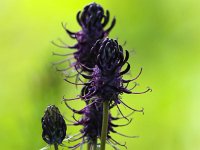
(165, 39)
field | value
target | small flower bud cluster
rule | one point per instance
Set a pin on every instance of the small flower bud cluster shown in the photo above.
(53, 125)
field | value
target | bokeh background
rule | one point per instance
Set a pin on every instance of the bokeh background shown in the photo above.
(165, 39)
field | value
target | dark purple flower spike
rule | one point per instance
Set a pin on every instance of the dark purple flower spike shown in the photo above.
(53, 125)
(92, 21)
(102, 60)
(105, 84)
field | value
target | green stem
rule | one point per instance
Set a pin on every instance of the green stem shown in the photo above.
(56, 146)
(88, 146)
(94, 144)
(104, 125)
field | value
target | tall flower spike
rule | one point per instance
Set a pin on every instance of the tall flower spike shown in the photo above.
(53, 125)
(92, 21)
(106, 82)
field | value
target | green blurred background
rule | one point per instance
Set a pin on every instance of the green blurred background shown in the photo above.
(165, 37)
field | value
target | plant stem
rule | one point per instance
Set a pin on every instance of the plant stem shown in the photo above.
(104, 125)
(94, 144)
(56, 146)
(88, 146)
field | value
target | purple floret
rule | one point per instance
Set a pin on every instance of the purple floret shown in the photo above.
(91, 121)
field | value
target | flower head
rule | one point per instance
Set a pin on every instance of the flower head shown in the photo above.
(53, 125)
(106, 81)
(92, 21)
